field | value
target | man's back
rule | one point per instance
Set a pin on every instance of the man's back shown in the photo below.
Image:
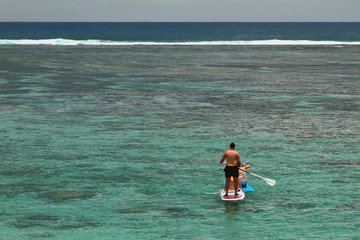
(231, 157)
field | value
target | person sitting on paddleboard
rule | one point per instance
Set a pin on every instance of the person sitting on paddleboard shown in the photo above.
(242, 175)
(231, 170)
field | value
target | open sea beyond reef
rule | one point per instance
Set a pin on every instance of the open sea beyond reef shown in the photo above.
(116, 130)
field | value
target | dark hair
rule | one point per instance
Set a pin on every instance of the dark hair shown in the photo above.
(232, 145)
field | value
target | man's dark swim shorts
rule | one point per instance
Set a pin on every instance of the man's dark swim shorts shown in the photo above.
(231, 171)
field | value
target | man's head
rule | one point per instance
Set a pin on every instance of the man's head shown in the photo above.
(232, 146)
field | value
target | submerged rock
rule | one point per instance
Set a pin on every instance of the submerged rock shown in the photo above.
(69, 195)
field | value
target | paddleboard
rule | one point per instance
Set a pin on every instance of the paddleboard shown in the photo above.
(231, 195)
(247, 188)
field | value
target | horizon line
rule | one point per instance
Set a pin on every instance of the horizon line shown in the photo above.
(179, 21)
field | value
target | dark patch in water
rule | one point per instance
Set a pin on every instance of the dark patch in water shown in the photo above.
(340, 163)
(354, 176)
(40, 235)
(258, 210)
(150, 190)
(176, 209)
(298, 206)
(340, 181)
(109, 177)
(181, 212)
(133, 211)
(14, 189)
(353, 205)
(35, 220)
(50, 221)
(69, 195)
(342, 105)
(270, 148)
(42, 217)
(85, 165)
(164, 172)
(23, 171)
(82, 157)
(76, 224)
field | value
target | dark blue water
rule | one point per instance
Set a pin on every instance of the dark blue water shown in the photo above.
(182, 31)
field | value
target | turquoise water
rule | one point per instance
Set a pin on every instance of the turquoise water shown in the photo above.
(124, 142)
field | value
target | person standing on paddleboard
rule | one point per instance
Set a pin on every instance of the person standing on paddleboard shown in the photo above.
(232, 168)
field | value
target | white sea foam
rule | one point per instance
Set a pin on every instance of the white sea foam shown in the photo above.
(70, 42)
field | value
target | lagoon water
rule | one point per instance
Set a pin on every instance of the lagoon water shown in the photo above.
(114, 141)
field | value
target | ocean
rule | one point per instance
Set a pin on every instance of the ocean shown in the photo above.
(116, 130)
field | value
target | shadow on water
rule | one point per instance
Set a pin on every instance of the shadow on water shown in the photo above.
(232, 210)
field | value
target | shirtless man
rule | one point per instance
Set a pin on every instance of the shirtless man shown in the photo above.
(231, 170)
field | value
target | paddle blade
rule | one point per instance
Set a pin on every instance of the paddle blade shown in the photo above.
(270, 181)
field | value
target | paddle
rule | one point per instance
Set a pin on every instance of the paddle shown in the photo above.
(269, 181)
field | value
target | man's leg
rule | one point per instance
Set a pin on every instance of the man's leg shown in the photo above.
(240, 186)
(236, 183)
(227, 185)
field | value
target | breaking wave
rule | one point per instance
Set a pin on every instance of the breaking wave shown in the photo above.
(70, 42)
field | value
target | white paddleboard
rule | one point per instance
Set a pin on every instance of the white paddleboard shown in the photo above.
(232, 196)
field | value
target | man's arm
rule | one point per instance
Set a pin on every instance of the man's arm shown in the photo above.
(238, 160)
(246, 166)
(223, 158)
